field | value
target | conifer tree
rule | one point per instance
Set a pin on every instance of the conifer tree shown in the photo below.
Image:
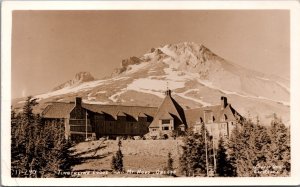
(241, 145)
(117, 159)
(256, 151)
(280, 148)
(22, 142)
(250, 149)
(193, 158)
(170, 162)
(224, 167)
(37, 147)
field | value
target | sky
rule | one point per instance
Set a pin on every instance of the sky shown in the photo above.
(50, 47)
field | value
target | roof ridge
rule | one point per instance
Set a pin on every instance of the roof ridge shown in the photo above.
(120, 105)
(60, 102)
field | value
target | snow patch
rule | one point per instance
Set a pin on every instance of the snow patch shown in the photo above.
(154, 84)
(118, 78)
(209, 84)
(183, 95)
(116, 96)
(136, 67)
(91, 98)
(82, 87)
(178, 75)
(168, 52)
(101, 92)
(262, 78)
(95, 102)
(283, 86)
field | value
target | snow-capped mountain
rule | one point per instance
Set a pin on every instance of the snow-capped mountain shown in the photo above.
(196, 76)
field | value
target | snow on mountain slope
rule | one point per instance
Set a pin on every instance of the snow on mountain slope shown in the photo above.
(79, 78)
(196, 75)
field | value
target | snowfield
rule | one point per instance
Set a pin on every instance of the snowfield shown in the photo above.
(183, 95)
(154, 86)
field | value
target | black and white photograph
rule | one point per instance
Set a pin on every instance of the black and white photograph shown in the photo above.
(149, 93)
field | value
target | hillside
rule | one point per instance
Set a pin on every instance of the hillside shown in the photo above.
(145, 155)
(196, 76)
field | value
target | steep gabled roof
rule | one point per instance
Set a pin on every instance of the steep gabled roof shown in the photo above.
(121, 110)
(235, 113)
(194, 115)
(166, 115)
(58, 110)
(169, 107)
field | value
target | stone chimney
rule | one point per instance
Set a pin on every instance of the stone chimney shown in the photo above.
(78, 102)
(168, 93)
(223, 102)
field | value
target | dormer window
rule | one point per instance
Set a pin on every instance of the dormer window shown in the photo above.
(224, 117)
(166, 124)
(208, 116)
(165, 121)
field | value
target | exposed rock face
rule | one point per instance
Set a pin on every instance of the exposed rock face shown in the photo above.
(126, 62)
(79, 78)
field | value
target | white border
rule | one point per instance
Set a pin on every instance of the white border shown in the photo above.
(9, 6)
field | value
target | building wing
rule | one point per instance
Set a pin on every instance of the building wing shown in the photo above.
(121, 110)
(58, 110)
(169, 109)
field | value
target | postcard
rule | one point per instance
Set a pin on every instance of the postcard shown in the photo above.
(150, 93)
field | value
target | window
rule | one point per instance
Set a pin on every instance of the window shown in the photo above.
(165, 128)
(225, 116)
(165, 121)
(201, 120)
(208, 116)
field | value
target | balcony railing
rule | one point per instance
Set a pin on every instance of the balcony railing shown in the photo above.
(80, 128)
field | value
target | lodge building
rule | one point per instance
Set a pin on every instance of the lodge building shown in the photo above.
(83, 120)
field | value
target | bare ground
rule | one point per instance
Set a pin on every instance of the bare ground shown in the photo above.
(142, 158)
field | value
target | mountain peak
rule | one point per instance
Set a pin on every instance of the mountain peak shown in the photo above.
(83, 77)
(192, 47)
(79, 77)
(185, 54)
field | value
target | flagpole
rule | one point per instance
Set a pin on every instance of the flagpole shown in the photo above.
(85, 125)
(206, 152)
(205, 148)
(204, 114)
(215, 164)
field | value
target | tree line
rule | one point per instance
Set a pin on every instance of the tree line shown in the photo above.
(37, 150)
(252, 150)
